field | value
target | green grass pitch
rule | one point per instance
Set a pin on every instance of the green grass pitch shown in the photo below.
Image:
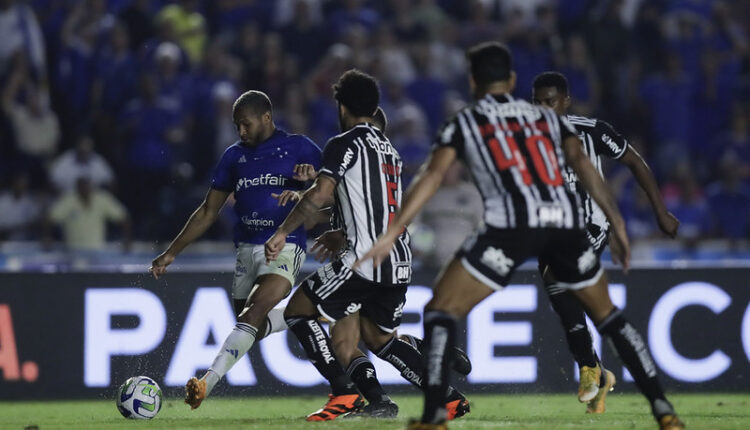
(624, 411)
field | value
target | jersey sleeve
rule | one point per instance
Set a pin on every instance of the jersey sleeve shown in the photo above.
(339, 156)
(450, 134)
(607, 141)
(222, 176)
(566, 128)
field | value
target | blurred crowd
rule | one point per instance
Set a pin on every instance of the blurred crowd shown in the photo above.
(115, 111)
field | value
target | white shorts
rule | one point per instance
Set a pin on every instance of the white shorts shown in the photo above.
(251, 264)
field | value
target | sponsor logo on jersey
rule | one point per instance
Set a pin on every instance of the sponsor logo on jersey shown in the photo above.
(348, 155)
(611, 143)
(551, 216)
(267, 179)
(257, 222)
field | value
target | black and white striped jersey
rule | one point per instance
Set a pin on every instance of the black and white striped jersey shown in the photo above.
(367, 170)
(514, 152)
(599, 139)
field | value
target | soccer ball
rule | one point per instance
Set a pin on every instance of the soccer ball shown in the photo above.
(139, 398)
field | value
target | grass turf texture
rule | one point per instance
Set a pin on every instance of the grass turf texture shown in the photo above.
(624, 411)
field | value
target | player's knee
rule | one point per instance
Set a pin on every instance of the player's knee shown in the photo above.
(441, 305)
(345, 348)
(376, 339)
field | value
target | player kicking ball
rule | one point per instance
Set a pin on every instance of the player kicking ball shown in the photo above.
(516, 153)
(262, 163)
(599, 139)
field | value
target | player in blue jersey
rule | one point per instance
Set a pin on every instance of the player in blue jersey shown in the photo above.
(262, 164)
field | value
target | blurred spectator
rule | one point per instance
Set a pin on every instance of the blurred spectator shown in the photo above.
(580, 71)
(83, 214)
(81, 161)
(729, 200)
(480, 26)
(427, 91)
(35, 125)
(189, 26)
(352, 12)
(20, 33)
(287, 11)
(684, 198)
(737, 141)
(20, 211)
(304, 37)
(137, 18)
(452, 214)
(393, 61)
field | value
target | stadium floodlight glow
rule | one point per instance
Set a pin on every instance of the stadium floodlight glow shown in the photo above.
(659, 332)
(484, 333)
(210, 314)
(102, 341)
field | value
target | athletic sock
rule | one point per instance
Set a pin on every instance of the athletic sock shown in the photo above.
(406, 358)
(317, 345)
(577, 332)
(239, 341)
(362, 373)
(633, 352)
(440, 334)
(275, 321)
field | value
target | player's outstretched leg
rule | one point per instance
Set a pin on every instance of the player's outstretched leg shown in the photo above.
(593, 378)
(301, 317)
(269, 291)
(631, 348)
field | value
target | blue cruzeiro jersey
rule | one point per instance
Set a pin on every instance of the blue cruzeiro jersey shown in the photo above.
(253, 173)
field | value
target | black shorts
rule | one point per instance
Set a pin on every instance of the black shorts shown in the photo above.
(337, 292)
(492, 255)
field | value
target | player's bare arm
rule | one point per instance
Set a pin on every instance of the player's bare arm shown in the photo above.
(425, 185)
(308, 207)
(196, 225)
(668, 223)
(595, 186)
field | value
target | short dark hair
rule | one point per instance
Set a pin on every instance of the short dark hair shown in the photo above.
(357, 91)
(489, 62)
(552, 79)
(380, 119)
(257, 102)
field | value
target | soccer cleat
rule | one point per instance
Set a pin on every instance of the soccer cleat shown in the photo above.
(456, 406)
(589, 385)
(195, 392)
(385, 409)
(416, 425)
(596, 405)
(671, 422)
(337, 406)
(460, 361)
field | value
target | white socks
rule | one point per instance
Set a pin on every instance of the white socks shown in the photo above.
(275, 321)
(239, 341)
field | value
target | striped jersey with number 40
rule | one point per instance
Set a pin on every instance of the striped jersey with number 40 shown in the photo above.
(513, 150)
(367, 172)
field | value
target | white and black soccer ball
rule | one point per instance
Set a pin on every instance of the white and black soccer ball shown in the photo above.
(139, 398)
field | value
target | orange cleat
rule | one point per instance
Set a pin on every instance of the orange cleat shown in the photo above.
(456, 407)
(671, 422)
(337, 406)
(195, 392)
(416, 425)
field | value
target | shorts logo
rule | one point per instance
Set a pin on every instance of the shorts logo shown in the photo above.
(353, 308)
(284, 268)
(586, 261)
(398, 311)
(496, 260)
(403, 273)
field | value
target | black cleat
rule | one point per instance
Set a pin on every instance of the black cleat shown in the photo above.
(460, 362)
(384, 409)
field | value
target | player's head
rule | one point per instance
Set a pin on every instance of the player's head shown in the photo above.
(357, 95)
(380, 120)
(550, 89)
(253, 116)
(491, 68)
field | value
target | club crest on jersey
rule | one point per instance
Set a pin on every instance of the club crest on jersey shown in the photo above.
(496, 260)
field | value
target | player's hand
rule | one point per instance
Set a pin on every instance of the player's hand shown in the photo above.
(160, 263)
(274, 245)
(379, 252)
(328, 244)
(286, 196)
(304, 172)
(668, 223)
(620, 247)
